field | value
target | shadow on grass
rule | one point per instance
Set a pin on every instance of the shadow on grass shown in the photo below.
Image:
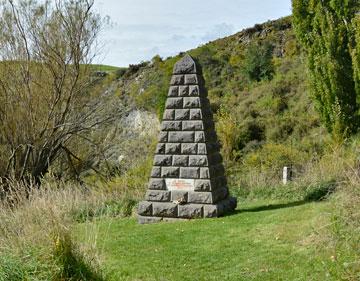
(317, 193)
(272, 207)
(73, 265)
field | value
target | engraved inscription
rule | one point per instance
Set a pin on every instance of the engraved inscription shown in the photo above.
(180, 184)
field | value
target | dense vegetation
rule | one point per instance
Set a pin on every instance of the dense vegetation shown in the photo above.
(327, 30)
(48, 99)
(265, 119)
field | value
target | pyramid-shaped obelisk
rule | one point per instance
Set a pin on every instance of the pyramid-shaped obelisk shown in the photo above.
(188, 178)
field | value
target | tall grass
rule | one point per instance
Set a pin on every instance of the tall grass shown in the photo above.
(36, 230)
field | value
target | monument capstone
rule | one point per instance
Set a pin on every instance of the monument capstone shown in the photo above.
(188, 178)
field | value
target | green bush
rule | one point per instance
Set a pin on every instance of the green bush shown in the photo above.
(292, 48)
(250, 131)
(257, 64)
(227, 130)
(274, 157)
(120, 72)
(324, 30)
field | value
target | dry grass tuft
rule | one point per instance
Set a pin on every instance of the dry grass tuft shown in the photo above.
(36, 227)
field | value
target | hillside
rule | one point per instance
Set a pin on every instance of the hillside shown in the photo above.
(256, 82)
(80, 225)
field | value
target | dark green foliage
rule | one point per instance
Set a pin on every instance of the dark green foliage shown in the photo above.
(250, 131)
(120, 72)
(133, 68)
(323, 28)
(355, 48)
(258, 64)
(320, 191)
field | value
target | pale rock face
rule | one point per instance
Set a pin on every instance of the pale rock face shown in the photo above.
(141, 122)
(128, 136)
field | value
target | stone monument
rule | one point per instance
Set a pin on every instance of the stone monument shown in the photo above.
(188, 178)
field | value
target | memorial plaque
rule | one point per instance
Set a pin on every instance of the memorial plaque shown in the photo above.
(180, 184)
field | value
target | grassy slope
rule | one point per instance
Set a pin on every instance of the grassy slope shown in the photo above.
(102, 67)
(265, 124)
(258, 242)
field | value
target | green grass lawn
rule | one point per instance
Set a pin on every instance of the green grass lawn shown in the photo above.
(261, 241)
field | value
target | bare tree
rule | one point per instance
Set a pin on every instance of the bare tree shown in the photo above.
(46, 49)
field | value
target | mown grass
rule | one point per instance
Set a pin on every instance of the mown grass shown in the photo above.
(262, 240)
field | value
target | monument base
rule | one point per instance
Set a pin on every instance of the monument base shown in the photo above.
(153, 212)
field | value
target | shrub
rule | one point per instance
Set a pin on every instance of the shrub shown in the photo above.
(120, 72)
(55, 76)
(257, 64)
(250, 131)
(227, 131)
(274, 157)
(292, 48)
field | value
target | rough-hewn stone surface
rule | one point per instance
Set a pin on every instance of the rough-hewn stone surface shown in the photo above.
(189, 172)
(145, 220)
(155, 195)
(157, 184)
(187, 157)
(145, 208)
(179, 196)
(190, 211)
(181, 137)
(182, 114)
(165, 209)
(189, 148)
(202, 185)
(170, 172)
(180, 160)
(185, 65)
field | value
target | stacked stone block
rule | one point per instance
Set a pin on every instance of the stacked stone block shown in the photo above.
(188, 179)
